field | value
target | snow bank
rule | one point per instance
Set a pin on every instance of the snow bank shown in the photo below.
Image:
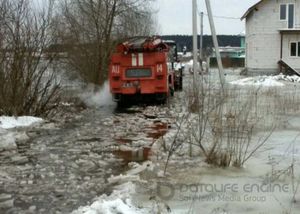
(13, 122)
(122, 199)
(283, 77)
(188, 54)
(265, 81)
(118, 202)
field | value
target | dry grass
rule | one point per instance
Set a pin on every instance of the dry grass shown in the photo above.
(221, 124)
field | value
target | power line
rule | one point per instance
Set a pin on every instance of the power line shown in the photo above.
(221, 17)
(224, 17)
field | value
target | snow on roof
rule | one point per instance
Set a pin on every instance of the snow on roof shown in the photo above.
(231, 49)
(251, 9)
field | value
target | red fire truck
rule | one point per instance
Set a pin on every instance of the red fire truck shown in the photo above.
(143, 68)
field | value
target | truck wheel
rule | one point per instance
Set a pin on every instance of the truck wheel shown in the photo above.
(161, 98)
(121, 103)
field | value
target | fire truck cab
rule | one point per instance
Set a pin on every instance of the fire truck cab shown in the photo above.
(140, 69)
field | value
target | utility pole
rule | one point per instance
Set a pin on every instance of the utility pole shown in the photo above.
(215, 40)
(195, 51)
(201, 35)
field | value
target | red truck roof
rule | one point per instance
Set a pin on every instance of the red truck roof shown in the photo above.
(143, 44)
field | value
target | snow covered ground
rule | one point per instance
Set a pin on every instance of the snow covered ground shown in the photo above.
(188, 66)
(118, 202)
(257, 81)
(266, 81)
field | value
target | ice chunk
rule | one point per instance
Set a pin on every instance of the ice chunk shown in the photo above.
(13, 122)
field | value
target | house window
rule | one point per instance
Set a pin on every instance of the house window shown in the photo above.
(291, 16)
(287, 13)
(283, 12)
(295, 49)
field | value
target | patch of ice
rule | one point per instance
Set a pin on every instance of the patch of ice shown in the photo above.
(7, 140)
(138, 168)
(122, 179)
(66, 104)
(13, 122)
(134, 172)
(121, 200)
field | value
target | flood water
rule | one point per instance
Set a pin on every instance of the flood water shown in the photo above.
(63, 166)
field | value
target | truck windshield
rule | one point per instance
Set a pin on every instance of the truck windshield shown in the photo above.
(138, 72)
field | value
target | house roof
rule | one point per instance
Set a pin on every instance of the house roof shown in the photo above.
(251, 9)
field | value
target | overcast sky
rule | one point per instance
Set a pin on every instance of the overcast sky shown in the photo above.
(175, 16)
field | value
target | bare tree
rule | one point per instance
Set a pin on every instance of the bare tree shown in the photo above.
(91, 28)
(136, 22)
(26, 84)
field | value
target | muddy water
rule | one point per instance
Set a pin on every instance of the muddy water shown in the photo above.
(142, 153)
(65, 165)
(132, 155)
(159, 130)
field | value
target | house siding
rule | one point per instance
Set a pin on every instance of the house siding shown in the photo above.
(263, 40)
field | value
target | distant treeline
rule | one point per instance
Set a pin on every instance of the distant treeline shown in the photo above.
(185, 40)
